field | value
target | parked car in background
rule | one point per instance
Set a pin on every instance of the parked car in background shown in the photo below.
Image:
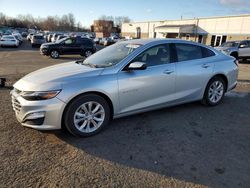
(97, 40)
(126, 78)
(19, 37)
(70, 45)
(102, 40)
(237, 49)
(24, 34)
(9, 40)
(30, 36)
(108, 41)
(54, 37)
(49, 36)
(37, 40)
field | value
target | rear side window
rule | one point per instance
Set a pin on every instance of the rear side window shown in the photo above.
(206, 52)
(186, 52)
(84, 41)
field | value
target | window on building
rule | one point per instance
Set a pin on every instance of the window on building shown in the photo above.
(212, 40)
(200, 37)
(154, 34)
(138, 32)
(187, 52)
(187, 37)
(224, 39)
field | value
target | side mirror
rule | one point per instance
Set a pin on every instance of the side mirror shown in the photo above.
(243, 46)
(137, 66)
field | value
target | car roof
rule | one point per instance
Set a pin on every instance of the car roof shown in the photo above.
(154, 40)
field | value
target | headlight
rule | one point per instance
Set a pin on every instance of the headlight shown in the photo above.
(226, 51)
(39, 95)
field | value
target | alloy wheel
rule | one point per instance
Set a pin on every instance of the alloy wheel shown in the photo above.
(216, 91)
(88, 53)
(54, 54)
(89, 117)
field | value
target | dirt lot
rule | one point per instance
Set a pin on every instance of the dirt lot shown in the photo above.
(185, 146)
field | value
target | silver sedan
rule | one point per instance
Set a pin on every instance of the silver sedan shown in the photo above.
(126, 78)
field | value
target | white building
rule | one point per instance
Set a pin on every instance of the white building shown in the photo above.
(211, 31)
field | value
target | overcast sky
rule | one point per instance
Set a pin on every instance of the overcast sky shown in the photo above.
(86, 11)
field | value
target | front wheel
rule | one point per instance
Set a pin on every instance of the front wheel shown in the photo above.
(214, 92)
(87, 115)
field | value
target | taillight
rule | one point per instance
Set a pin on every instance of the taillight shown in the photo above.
(236, 62)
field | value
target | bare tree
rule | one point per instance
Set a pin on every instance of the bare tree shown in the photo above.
(118, 21)
(2, 19)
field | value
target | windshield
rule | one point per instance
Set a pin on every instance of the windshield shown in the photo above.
(38, 37)
(111, 55)
(230, 44)
(61, 40)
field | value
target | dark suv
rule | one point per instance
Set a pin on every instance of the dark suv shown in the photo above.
(69, 46)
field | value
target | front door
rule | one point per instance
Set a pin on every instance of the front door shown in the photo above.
(70, 47)
(140, 89)
(244, 49)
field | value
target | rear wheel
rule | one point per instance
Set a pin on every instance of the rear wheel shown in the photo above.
(214, 92)
(87, 115)
(54, 54)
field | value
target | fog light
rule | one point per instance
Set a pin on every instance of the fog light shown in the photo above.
(34, 115)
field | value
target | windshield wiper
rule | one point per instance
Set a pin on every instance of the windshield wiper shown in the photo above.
(87, 64)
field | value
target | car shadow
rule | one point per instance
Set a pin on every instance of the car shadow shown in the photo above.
(190, 142)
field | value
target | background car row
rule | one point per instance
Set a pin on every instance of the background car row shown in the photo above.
(11, 40)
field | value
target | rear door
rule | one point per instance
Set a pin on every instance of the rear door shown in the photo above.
(193, 69)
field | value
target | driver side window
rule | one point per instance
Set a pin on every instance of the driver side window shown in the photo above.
(68, 42)
(156, 55)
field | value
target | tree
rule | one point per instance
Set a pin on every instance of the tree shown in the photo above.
(118, 21)
(121, 19)
(2, 19)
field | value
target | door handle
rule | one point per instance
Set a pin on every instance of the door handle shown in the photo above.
(168, 72)
(205, 66)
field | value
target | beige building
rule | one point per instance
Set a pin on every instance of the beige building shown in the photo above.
(103, 28)
(211, 31)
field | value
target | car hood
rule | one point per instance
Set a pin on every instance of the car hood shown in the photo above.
(225, 48)
(53, 77)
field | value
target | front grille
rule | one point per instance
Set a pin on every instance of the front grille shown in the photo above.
(16, 104)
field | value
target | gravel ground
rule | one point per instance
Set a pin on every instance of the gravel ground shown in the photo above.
(185, 146)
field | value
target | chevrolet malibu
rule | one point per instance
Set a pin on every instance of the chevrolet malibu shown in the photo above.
(126, 78)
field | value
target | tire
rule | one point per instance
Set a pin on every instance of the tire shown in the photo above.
(216, 87)
(79, 122)
(54, 54)
(88, 53)
(235, 55)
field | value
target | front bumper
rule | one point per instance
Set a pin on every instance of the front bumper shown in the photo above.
(41, 115)
(44, 51)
